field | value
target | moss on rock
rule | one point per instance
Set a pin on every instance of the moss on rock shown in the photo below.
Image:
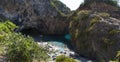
(113, 32)
(104, 15)
(83, 15)
(94, 37)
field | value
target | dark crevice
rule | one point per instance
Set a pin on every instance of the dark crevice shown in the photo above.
(30, 31)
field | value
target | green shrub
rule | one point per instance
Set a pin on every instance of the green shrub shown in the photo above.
(24, 49)
(5, 29)
(7, 26)
(83, 15)
(18, 47)
(63, 58)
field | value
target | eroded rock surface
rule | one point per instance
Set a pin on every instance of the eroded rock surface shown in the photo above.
(95, 35)
(45, 16)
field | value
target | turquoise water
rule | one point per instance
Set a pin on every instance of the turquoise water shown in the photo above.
(57, 40)
(59, 44)
(67, 36)
(60, 41)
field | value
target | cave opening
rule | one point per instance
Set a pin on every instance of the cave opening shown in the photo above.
(30, 31)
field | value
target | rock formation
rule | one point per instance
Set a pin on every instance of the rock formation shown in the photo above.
(43, 16)
(101, 6)
(95, 33)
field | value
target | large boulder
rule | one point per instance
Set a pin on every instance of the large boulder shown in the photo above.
(43, 16)
(95, 35)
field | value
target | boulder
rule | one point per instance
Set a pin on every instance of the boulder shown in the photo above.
(95, 35)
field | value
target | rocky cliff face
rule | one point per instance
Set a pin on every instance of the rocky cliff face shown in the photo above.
(95, 34)
(43, 16)
(101, 6)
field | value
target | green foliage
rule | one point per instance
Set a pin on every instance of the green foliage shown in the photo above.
(24, 49)
(63, 58)
(7, 26)
(5, 29)
(70, 24)
(117, 59)
(76, 33)
(94, 20)
(112, 2)
(112, 32)
(83, 15)
(1, 50)
(108, 41)
(54, 6)
(104, 15)
(18, 47)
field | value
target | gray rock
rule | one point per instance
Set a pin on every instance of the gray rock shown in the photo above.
(44, 16)
(96, 37)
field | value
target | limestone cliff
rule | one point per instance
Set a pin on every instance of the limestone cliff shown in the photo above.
(43, 16)
(95, 32)
(101, 6)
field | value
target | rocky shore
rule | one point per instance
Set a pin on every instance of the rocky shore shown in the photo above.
(55, 51)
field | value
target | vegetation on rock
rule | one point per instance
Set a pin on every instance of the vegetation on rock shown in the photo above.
(60, 7)
(63, 58)
(94, 36)
(111, 2)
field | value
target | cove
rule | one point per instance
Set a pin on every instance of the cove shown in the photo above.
(61, 41)
(58, 40)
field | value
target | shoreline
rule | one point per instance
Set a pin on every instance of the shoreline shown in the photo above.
(55, 51)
